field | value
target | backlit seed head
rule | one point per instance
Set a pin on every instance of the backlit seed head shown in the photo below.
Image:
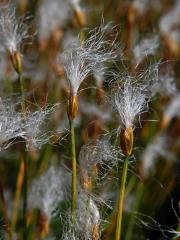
(129, 102)
(80, 60)
(14, 31)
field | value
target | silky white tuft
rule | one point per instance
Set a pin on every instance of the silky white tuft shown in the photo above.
(48, 190)
(80, 61)
(14, 31)
(11, 125)
(130, 102)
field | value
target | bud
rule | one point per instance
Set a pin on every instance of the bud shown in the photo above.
(126, 140)
(16, 61)
(72, 106)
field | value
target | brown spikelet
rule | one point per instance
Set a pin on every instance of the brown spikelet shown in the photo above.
(16, 61)
(72, 107)
(126, 140)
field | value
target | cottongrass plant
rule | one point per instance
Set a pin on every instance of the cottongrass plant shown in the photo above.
(129, 99)
(79, 62)
(14, 33)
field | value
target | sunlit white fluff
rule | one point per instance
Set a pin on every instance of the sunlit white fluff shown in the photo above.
(51, 15)
(11, 125)
(88, 215)
(80, 61)
(99, 155)
(14, 31)
(48, 190)
(87, 219)
(131, 93)
(166, 84)
(159, 146)
(35, 127)
(170, 20)
(145, 48)
(173, 108)
(76, 66)
(140, 5)
(130, 102)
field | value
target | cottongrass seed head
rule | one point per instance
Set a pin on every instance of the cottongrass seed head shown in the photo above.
(131, 93)
(80, 61)
(130, 99)
(130, 102)
(14, 31)
(87, 222)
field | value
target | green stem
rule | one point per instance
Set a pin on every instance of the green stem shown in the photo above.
(73, 152)
(121, 199)
(22, 94)
(25, 161)
(139, 193)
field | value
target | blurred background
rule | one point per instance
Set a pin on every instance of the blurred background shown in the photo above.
(148, 32)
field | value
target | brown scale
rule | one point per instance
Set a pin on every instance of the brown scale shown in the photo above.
(72, 107)
(126, 140)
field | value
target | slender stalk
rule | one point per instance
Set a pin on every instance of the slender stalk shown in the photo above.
(139, 193)
(113, 216)
(25, 199)
(17, 194)
(25, 161)
(22, 94)
(73, 152)
(121, 199)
